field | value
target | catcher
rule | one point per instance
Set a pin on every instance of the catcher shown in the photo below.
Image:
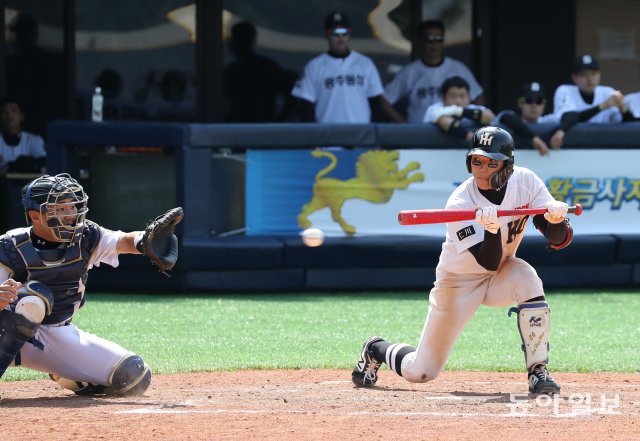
(43, 272)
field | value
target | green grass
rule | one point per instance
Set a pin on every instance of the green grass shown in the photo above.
(590, 331)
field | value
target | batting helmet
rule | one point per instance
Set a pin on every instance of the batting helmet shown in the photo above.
(494, 143)
(62, 203)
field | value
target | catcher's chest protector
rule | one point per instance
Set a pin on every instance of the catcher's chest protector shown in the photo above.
(62, 270)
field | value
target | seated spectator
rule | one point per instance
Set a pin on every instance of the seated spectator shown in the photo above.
(587, 100)
(419, 81)
(169, 99)
(531, 105)
(20, 151)
(454, 114)
(116, 107)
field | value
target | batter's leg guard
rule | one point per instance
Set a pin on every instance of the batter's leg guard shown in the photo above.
(15, 331)
(534, 325)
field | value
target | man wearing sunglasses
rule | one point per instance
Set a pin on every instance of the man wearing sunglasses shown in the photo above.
(340, 85)
(419, 82)
(531, 104)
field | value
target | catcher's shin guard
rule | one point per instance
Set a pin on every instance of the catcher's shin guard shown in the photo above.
(15, 331)
(131, 376)
(534, 325)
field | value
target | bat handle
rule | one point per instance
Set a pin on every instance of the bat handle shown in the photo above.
(575, 209)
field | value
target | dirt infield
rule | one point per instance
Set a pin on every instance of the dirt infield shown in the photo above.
(319, 404)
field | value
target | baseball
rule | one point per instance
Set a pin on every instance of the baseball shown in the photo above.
(313, 237)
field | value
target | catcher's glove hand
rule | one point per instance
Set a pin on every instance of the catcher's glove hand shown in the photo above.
(159, 243)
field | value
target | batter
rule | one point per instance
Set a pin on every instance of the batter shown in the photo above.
(478, 266)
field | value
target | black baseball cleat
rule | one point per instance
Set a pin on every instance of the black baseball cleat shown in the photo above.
(366, 371)
(541, 381)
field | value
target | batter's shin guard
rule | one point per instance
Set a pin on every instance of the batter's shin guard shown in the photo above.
(15, 331)
(534, 325)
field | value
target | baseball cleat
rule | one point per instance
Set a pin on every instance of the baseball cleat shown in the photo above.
(541, 381)
(366, 371)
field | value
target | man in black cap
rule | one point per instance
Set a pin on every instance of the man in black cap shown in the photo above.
(531, 103)
(593, 102)
(341, 85)
(587, 100)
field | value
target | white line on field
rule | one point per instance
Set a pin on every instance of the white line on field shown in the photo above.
(375, 414)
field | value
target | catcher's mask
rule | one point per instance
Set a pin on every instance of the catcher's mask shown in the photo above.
(494, 143)
(62, 204)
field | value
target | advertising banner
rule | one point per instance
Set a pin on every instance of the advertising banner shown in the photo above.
(360, 191)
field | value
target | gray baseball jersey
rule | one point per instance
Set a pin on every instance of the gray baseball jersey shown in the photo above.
(421, 84)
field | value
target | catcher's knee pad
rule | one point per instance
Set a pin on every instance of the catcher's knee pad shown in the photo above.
(15, 331)
(131, 376)
(35, 301)
(534, 324)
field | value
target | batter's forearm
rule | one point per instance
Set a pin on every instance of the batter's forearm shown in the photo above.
(488, 253)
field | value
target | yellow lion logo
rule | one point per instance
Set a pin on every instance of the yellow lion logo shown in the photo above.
(377, 177)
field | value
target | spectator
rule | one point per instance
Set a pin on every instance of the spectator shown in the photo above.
(531, 105)
(340, 85)
(115, 108)
(20, 151)
(419, 82)
(454, 114)
(587, 100)
(168, 99)
(252, 83)
(34, 75)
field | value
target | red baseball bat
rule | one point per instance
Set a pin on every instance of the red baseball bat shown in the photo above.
(438, 216)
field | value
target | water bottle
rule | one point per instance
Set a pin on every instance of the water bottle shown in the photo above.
(96, 105)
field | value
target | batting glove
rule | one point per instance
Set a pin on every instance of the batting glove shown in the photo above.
(556, 212)
(488, 218)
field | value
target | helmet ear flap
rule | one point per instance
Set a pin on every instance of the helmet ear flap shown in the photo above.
(469, 163)
(499, 179)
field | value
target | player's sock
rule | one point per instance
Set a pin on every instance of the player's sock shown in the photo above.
(392, 354)
(379, 349)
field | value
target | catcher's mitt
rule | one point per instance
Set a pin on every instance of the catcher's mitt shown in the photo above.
(159, 243)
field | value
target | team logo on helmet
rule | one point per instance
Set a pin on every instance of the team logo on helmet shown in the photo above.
(485, 138)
